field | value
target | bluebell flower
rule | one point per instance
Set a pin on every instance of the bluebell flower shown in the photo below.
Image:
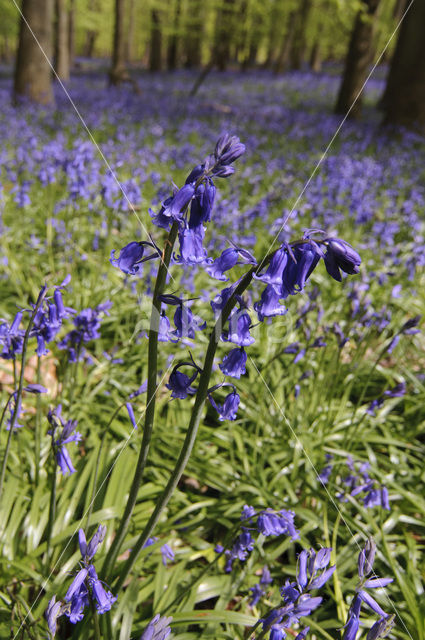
(243, 544)
(186, 323)
(177, 205)
(85, 585)
(160, 219)
(180, 383)
(366, 558)
(300, 265)
(202, 204)
(219, 301)
(248, 512)
(276, 523)
(157, 629)
(104, 599)
(257, 594)
(167, 554)
(191, 247)
(87, 325)
(229, 408)
(11, 338)
(66, 436)
(226, 261)
(266, 577)
(131, 257)
(275, 269)
(269, 305)
(53, 612)
(131, 414)
(234, 363)
(227, 150)
(381, 628)
(340, 256)
(238, 331)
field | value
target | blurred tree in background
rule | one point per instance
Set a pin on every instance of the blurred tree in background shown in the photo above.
(278, 35)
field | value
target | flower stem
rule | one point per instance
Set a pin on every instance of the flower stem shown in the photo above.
(150, 402)
(37, 434)
(52, 511)
(192, 431)
(18, 396)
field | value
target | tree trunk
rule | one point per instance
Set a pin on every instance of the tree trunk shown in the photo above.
(71, 32)
(155, 52)
(299, 41)
(62, 40)
(118, 72)
(130, 32)
(316, 58)
(32, 71)
(282, 61)
(405, 90)
(223, 35)
(358, 59)
(173, 40)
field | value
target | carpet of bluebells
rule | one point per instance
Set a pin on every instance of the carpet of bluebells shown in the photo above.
(301, 510)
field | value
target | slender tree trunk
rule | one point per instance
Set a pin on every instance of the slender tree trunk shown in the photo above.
(315, 57)
(155, 52)
(118, 72)
(32, 71)
(62, 40)
(358, 59)
(405, 90)
(299, 41)
(91, 34)
(71, 32)
(173, 39)
(130, 31)
(223, 35)
(275, 27)
(282, 61)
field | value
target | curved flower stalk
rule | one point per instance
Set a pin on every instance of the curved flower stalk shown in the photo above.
(198, 193)
(285, 272)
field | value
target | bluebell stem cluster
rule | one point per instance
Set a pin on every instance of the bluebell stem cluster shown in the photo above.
(87, 325)
(267, 522)
(395, 392)
(386, 621)
(285, 273)
(11, 337)
(312, 573)
(62, 433)
(258, 589)
(358, 483)
(86, 586)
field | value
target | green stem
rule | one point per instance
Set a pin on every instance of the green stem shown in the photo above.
(20, 385)
(96, 471)
(150, 402)
(5, 409)
(37, 434)
(52, 509)
(192, 431)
